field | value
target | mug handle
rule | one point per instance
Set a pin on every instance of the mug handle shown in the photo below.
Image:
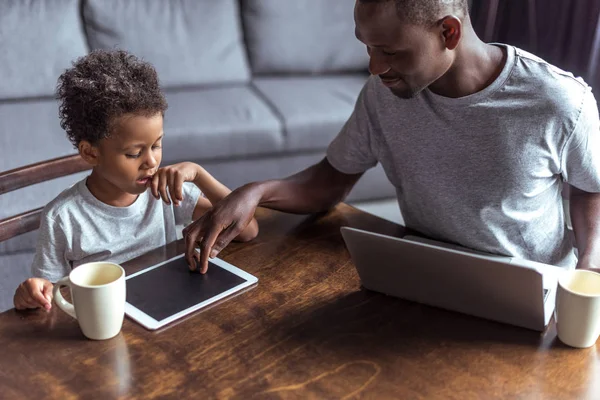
(60, 300)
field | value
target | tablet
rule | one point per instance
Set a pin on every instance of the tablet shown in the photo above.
(168, 291)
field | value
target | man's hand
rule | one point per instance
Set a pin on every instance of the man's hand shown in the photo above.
(220, 225)
(315, 189)
(34, 293)
(172, 177)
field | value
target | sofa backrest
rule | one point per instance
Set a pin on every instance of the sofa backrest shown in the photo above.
(302, 36)
(190, 42)
(38, 40)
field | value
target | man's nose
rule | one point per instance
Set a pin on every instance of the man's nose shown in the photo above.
(377, 66)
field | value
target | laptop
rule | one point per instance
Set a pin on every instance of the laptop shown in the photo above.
(504, 289)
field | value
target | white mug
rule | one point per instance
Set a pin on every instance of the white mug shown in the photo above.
(98, 294)
(578, 308)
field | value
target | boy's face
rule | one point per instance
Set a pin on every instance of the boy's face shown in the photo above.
(129, 157)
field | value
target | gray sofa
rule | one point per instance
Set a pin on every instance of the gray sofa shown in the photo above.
(256, 88)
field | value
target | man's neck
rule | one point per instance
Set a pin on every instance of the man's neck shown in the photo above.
(477, 65)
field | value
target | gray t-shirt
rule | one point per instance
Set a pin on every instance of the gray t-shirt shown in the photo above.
(484, 171)
(77, 228)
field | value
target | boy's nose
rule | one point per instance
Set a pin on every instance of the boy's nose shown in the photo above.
(150, 162)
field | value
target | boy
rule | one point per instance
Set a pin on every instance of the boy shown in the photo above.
(112, 110)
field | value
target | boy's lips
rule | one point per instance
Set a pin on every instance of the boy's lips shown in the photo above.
(144, 181)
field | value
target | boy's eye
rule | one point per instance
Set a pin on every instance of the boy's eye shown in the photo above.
(388, 53)
(156, 147)
(133, 155)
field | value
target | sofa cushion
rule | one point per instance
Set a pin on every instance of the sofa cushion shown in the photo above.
(219, 122)
(302, 36)
(190, 42)
(313, 109)
(30, 132)
(38, 41)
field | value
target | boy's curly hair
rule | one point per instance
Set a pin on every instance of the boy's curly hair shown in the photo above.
(101, 87)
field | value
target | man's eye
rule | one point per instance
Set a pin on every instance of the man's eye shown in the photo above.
(388, 53)
(133, 155)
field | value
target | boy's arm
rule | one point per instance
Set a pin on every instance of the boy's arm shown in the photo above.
(215, 191)
(49, 261)
(48, 266)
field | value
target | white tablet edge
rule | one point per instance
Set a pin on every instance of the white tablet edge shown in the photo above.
(150, 323)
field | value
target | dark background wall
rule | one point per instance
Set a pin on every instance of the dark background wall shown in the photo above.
(565, 33)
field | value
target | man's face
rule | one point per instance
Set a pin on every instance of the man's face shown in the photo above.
(407, 57)
(132, 153)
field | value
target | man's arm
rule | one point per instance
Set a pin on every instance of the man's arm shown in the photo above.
(585, 217)
(315, 189)
(215, 191)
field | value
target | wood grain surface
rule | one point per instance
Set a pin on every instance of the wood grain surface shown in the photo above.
(306, 331)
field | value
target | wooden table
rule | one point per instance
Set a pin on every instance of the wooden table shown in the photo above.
(307, 331)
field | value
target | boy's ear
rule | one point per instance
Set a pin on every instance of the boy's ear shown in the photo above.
(88, 152)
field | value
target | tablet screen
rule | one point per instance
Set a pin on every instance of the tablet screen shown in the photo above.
(171, 288)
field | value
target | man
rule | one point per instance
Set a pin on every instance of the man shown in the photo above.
(477, 139)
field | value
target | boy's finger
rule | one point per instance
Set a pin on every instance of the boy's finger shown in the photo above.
(162, 188)
(24, 301)
(154, 186)
(35, 293)
(47, 292)
(178, 188)
(178, 192)
(39, 299)
(172, 183)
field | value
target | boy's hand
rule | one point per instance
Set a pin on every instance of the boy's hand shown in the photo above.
(34, 293)
(172, 177)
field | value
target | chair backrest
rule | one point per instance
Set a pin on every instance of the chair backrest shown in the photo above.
(30, 175)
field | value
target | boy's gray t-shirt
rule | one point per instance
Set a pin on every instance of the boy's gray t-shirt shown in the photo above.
(77, 228)
(483, 171)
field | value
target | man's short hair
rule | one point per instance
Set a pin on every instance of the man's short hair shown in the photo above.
(425, 12)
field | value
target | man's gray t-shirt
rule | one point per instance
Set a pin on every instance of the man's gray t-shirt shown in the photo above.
(77, 228)
(483, 171)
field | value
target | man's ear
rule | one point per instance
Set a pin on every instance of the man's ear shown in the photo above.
(451, 31)
(89, 152)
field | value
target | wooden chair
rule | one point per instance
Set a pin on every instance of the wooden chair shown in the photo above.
(30, 175)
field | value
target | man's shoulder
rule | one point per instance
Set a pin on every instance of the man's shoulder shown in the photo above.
(549, 79)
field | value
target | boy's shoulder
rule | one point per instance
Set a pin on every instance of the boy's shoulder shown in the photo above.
(62, 204)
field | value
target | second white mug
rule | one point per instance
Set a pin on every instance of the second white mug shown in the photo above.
(578, 308)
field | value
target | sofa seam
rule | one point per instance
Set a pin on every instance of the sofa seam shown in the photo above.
(273, 109)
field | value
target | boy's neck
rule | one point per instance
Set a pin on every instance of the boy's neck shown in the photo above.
(108, 193)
